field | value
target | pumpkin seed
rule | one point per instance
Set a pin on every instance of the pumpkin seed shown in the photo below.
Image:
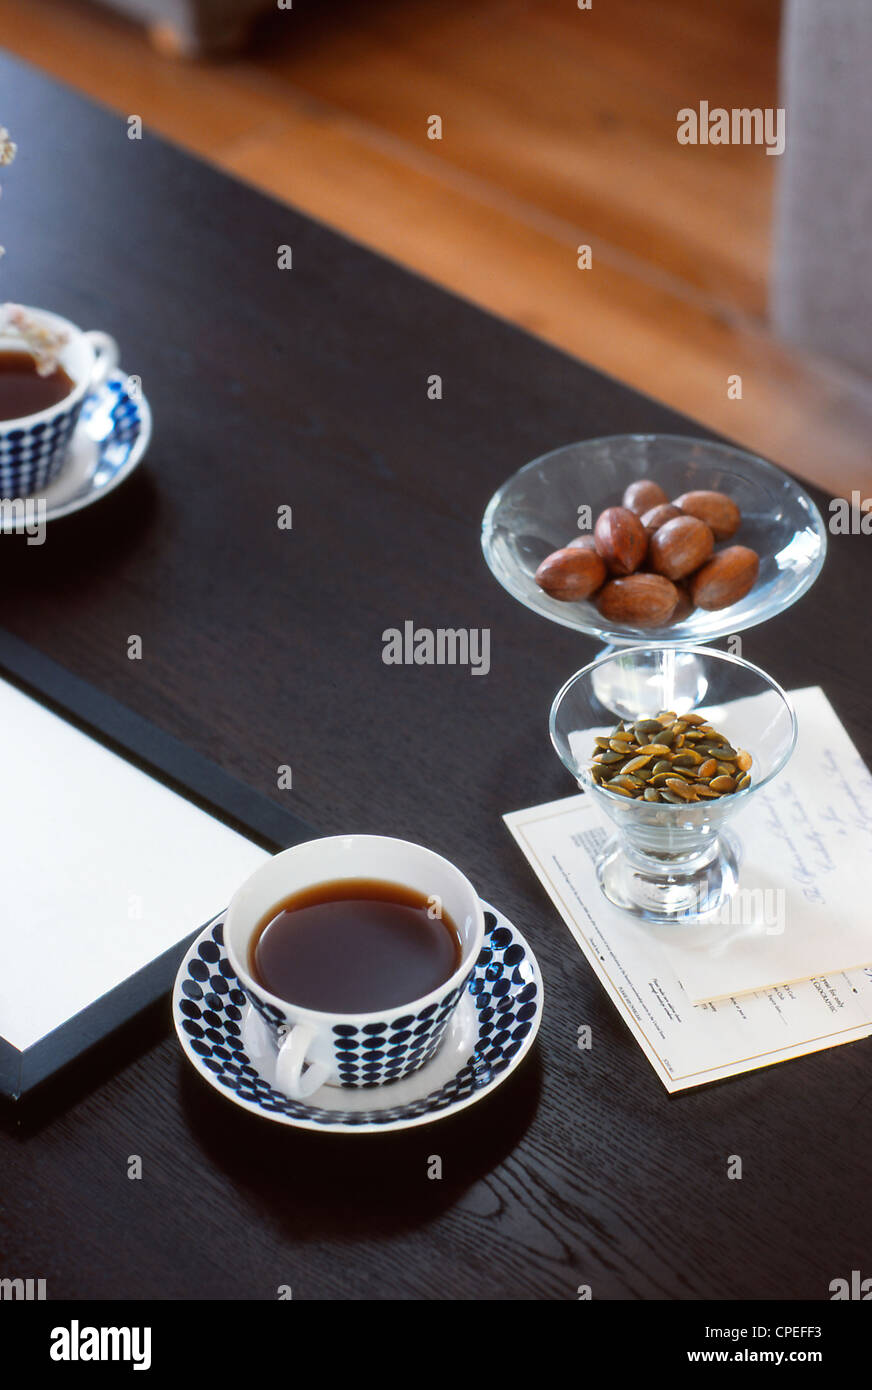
(744, 760)
(602, 743)
(663, 765)
(680, 788)
(652, 748)
(651, 794)
(617, 791)
(673, 800)
(612, 757)
(686, 758)
(707, 769)
(693, 718)
(646, 727)
(636, 763)
(619, 745)
(723, 784)
(744, 781)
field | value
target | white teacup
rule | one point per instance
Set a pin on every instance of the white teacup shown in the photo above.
(33, 447)
(316, 1049)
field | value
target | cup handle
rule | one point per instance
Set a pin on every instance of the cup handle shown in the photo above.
(290, 1077)
(106, 354)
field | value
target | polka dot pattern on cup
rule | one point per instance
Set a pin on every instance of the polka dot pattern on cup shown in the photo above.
(505, 988)
(120, 415)
(31, 455)
(31, 458)
(377, 1053)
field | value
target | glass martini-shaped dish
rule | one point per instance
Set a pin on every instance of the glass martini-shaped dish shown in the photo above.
(673, 862)
(536, 511)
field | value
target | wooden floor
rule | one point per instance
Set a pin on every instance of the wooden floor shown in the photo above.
(558, 130)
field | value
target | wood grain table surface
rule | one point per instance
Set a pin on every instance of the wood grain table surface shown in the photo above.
(308, 388)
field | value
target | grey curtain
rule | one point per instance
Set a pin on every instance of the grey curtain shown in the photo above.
(822, 268)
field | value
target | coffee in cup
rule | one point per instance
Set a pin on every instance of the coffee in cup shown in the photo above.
(354, 945)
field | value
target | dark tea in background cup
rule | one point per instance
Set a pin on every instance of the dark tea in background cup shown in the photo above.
(24, 390)
(355, 950)
(34, 442)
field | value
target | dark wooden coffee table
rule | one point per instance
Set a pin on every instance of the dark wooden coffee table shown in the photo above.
(308, 387)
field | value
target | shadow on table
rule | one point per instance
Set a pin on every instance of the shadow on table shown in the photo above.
(317, 1185)
(87, 546)
(125, 1047)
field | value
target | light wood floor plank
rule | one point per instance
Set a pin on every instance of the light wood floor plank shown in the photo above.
(555, 134)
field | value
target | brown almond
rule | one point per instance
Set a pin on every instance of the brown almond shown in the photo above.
(725, 578)
(571, 574)
(659, 515)
(646, 600)
(680, 546)
(716, 509)
(641, 496)
(685, 605)
(585, 542)
(621, 540)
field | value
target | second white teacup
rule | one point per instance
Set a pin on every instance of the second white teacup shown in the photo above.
(317, 1048)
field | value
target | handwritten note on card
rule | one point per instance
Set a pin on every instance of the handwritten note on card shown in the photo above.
(806, 843)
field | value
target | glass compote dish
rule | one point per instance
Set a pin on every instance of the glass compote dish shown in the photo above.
(673, 863)
(537, 511)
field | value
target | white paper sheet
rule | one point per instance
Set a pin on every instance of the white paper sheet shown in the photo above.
(689, 1043)
(804, 903)
(103, 869)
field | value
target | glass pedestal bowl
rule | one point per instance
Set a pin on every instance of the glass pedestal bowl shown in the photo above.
(538, 509)
(673, 863)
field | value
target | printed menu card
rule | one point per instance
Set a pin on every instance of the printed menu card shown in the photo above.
(785, 971)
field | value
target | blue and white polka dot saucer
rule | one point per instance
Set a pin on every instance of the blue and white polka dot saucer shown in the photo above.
(489, 1033)
(111, 437)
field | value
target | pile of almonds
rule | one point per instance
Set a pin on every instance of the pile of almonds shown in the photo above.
(652, 561)
(673, 758)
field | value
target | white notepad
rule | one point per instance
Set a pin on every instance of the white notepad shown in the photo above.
(103, 869)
